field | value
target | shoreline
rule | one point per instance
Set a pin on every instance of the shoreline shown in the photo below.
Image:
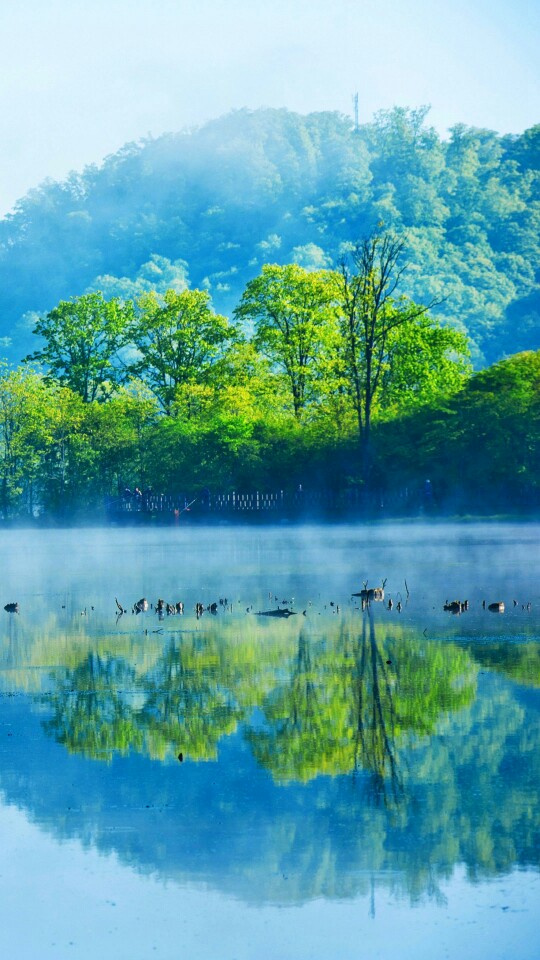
(194, 522)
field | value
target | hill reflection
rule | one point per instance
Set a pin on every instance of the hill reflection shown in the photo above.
(335, 753)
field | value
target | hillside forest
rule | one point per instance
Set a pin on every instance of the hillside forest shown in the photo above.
(275, 301)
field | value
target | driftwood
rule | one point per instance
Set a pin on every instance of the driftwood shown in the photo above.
(276, 613)
(456, 606)
(375, 593)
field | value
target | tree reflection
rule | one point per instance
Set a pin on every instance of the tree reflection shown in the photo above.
(351, 704)
(303, 732)
(189, 702)
(374, 717)
(393, 769)
(185, 701)
(519, 662)
(92, 712)
(351, 701)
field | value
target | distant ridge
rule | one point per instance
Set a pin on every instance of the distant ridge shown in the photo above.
(272, 186)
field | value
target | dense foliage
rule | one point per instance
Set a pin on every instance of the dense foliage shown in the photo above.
(269, 186)
(231, 423)
(480, 449)
(163, 393)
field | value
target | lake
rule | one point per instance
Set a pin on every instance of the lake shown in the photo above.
(338, 783)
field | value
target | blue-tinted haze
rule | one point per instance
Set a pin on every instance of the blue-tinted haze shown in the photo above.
(81, 79)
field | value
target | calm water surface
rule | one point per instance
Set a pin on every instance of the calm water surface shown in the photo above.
(352, 784)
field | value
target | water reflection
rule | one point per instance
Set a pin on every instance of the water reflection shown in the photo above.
(352, 701)
(332, 702)
(517, 659)
(340, 752)
(92, 708)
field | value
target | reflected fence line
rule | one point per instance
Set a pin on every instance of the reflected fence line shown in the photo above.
(281, 504)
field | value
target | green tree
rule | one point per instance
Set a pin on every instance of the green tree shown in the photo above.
(83, 337)
(94, 447)
(382, 333)
(180, 340)
(27, 412)
(426, 362)
(230, 195)
(479, 447)
(294, 313)
(62, 478)
(494, 422)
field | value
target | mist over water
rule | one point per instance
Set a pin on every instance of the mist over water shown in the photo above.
(313, 562)
(385, 759)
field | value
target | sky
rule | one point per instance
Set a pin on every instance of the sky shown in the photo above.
(79, 78)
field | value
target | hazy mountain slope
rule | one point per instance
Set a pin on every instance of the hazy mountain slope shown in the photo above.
(273, 186)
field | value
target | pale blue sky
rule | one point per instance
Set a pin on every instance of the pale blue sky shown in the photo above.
(81, 77)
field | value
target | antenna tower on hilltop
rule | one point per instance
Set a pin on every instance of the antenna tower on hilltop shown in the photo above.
(355, 101)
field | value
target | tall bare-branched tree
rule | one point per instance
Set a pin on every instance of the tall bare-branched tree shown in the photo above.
(373, 315)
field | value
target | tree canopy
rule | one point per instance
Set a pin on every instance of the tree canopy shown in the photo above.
(389, 345)
(178, 338)
(188, 402)
(83, 338)
(294, 312)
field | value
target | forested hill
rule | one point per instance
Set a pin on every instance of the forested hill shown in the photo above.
(273, 186)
